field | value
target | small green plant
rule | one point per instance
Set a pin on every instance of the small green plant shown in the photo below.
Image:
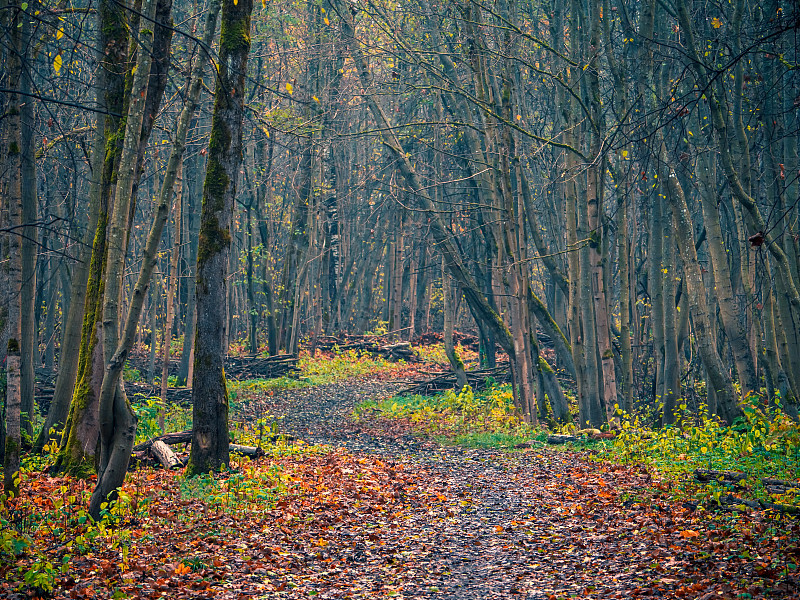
(129, 373)
(147, 410)
(764, 443)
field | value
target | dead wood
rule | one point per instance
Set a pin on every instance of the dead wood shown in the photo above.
(164, 454)
(446, 381)
(369, 344)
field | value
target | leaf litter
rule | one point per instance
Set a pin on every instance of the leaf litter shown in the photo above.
(379, 512)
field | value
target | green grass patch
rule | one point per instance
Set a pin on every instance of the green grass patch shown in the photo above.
(347, 364)
(493, 439)
(485, 419)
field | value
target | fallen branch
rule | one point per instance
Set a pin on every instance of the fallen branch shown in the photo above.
(731, 502)
(164, 454)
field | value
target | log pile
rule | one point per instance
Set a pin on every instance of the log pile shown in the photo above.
(446, 381)
(369, 344)
(467, 340)
(182, 396)
(247, 367)
(252, 367)
(581, 436)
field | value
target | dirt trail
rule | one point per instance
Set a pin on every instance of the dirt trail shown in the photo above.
(535, 524)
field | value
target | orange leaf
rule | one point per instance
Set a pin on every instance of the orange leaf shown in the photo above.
(689, 533)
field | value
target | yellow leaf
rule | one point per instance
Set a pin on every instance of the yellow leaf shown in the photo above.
(235, 2)
(327, 22)
(57, 63)
(316, 99)
(264, 4)
(624, 153)
(59, 34)
(290, 88)
(716, 23)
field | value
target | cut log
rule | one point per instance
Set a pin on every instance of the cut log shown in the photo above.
(731, 502)
(165, 455)
(249, 451)
(562, 439)
(706, 475)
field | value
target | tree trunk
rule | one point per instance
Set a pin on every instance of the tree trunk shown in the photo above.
(117, 419)
(13, 439)
(14, 202)
(448, 310)
(209, 392)
(668, 274)
(29, 340)
(193, 227)
(717, 375)
(172, 291)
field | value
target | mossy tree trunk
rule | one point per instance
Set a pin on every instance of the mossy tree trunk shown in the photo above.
(79, 442)
(118, 423)
(209, 392)
(116, 417)
(79, 439)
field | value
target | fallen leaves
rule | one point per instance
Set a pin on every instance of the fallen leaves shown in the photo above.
(414, 521)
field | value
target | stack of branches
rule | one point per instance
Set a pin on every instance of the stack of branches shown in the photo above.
(253, 367)
(369, 344)
(248, 367)
(477, 379)
(467, 340)
(734, 481)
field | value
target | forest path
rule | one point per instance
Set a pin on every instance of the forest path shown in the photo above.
(464, 523)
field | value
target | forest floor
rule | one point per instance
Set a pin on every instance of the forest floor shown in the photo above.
(370, 509)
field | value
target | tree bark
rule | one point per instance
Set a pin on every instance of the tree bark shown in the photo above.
(209, 392)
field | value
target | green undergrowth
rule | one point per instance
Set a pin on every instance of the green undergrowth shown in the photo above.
(465, 418)
(344, 364)
(763, 444)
